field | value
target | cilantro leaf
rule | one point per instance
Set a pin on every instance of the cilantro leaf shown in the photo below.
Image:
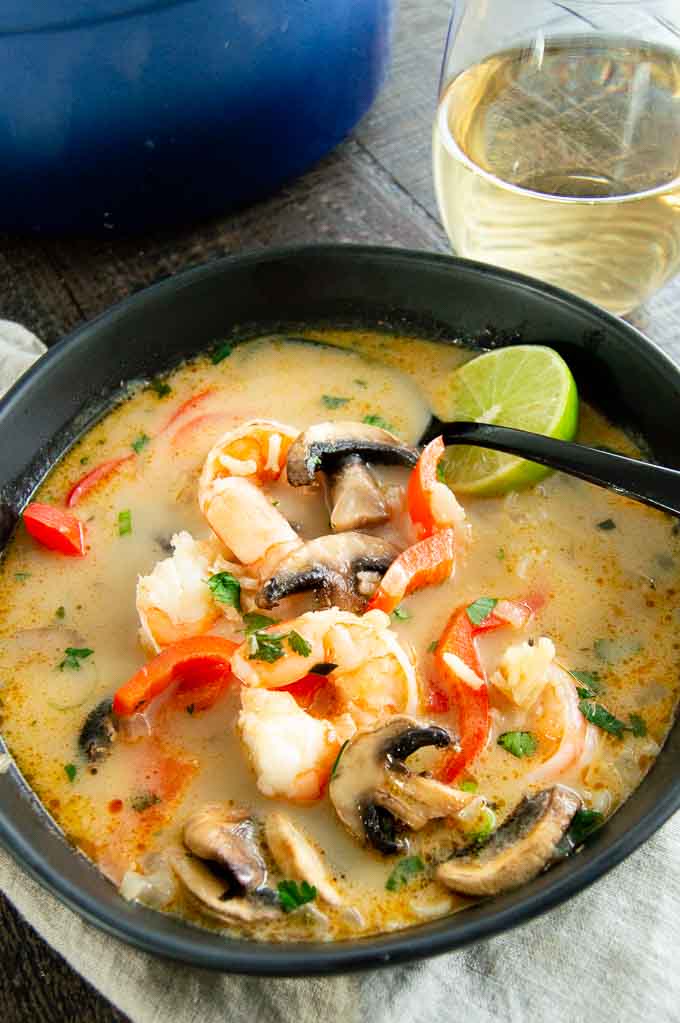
(500, 554)
(520, 744)
(21, 577)
(638, 725)
(124, 522)
(360, 383)
(226, 589)
(401, 613)
(74, 655)
(143, 800)
(480, 609)
(433, 646)
(140, 442)
(590, 684)
(337, 759)
(292, 895)
(583, 823)
(223, 352)
(323, 668)
(468, 786)
(378, 421)
(254, 621)
(299, 644)
(60, 612)
(331, 401)
(606, 525)
(265, 646)
(600, 716)
(403, 872)
(482, 835)
(71, 771)
(161, 388)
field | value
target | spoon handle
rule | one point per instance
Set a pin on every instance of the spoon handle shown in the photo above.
(652, 484)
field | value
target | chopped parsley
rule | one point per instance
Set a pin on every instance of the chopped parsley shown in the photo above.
(401, 613)
(500, 554)
(481, 836)
(373, 420)
(124, 522)
(299, 644)
(331, 401)
(226, 589)
(74, 655)
(589, 684)
(84, 460)
(140, 442)
(254, 621)
(292, 895)
(404, 871)
(520, 744)
(143, 801)
(606, 525)
(60, 612)
(480, 609)
(71, 771)
(323, 668)
(223, 352)
(433, 646)
(360, 383)
(336, 762)
(161, 388)
(468, 786)
(22, 576)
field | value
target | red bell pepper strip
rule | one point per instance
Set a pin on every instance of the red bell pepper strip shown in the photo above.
(55, 528)
(427, 563)
(187, 406)
(194, 663)
(90, 480)
(431, 504)
(470, 700)
(305, 690)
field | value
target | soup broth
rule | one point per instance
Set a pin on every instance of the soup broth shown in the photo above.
(599, 572)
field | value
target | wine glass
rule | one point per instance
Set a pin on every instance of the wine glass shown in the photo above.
(557, 142)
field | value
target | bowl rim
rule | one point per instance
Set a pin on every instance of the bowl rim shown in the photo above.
(245, 956)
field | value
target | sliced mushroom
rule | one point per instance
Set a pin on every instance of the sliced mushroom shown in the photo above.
(297, 858)
(519, 850)
(330, 565)
(355, 498)
(215, 898)
(341, 450)
(320, 446)
(99, 731)
(373, 791)
(226, 836)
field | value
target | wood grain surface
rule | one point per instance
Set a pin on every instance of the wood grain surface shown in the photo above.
(376, 188)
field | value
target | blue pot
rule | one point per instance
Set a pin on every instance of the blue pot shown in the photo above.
(117, 115)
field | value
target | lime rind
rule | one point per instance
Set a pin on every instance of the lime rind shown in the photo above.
(529, 387)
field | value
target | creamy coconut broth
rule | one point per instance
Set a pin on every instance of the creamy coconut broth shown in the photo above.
(596, 575)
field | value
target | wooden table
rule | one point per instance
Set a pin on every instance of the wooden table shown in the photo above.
(376, 188)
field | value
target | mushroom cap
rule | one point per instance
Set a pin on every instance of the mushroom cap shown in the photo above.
(296, 857)
(329, 564)
(372, 788)
(320, 446)
(518, 850)
(99, 731)
(226, 836)
(213, 898)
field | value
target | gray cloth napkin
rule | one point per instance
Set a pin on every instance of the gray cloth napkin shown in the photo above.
(610, 954)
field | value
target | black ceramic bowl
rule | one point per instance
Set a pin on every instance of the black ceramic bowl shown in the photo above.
(615, 366)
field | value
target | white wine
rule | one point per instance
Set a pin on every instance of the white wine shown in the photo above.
(563, 162)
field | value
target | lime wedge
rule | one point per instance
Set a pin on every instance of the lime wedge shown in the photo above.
(529, 387)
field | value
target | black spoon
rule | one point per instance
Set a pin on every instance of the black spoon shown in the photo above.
(652, 484)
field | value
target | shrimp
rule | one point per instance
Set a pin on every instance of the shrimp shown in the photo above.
(530, 678)
(174, 601)
(230, 493)
(292, 749)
